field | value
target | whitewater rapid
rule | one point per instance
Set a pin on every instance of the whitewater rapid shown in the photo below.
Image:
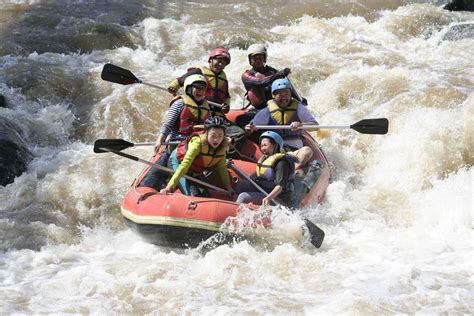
(398, 215)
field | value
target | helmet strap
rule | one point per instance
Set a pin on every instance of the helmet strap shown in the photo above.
(189, 91)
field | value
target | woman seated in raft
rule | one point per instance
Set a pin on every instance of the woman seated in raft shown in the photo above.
(274, 174)
(197, 156)
(184, 113)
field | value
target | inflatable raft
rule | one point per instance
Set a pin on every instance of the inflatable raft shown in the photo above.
(179, 220)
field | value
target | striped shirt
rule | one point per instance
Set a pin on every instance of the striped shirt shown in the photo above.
(172, 120)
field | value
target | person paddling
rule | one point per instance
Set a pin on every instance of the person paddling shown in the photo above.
(186, 111)
(218, 87)
(283, 109)
(202, 156)
(274, 173)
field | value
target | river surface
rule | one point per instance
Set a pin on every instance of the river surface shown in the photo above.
(398, 214)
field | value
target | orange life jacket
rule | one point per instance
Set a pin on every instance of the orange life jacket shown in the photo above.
(207, 158)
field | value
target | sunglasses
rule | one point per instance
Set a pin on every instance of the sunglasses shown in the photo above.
(221, 60)
(199, 87)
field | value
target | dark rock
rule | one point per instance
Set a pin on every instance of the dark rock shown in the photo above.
(2, 101)
(460, 5)
(14, 156)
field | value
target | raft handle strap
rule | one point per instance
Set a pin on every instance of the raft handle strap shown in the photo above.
(145, 196)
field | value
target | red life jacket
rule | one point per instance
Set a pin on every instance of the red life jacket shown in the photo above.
(192, 114)
(259, 94)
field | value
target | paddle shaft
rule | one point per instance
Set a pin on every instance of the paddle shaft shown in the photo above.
(154, 86)
(165, 89)
(168, 170)
(295, 91)
(123, 76)
(366, 126)
(316, 233)
(305, 127)
(153, 144)
(246, 177)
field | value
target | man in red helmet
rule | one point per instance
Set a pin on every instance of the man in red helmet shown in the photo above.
(218, 87)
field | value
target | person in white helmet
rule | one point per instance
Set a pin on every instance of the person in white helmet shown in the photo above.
(186, 110)
(258, 80)
(184, 113)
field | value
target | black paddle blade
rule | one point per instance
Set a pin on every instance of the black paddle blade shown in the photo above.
(114, 144)
(316, 233)
(117, 74)
(371, 126)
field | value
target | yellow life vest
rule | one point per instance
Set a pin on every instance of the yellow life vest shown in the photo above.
(267, 162)
(217, 85)
(283, 116)
(209, 157)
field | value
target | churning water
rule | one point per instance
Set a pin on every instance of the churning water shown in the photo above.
(398, 214)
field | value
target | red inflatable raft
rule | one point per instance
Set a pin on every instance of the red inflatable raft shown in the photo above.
(178, 220)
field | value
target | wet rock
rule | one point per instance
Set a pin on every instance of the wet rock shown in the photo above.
(72, 28)
(460, 5)
(14, 156)
(459, 31)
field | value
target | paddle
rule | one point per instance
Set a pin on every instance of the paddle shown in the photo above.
(102, 145)
(297, 94)
(123, 76)
(367, 126)
(120, 144)
(316, 233)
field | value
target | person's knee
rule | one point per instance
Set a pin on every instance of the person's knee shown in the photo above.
(243, 197)
(307, 152)
(304, 154)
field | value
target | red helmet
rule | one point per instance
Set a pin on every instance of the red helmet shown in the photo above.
(220, 52)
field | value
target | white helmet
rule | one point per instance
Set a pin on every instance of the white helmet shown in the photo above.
(257, 49)
(191, 80)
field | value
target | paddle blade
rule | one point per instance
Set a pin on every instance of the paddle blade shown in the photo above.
(316, 233)
(114, 144)
(371, 126)
(116, 74)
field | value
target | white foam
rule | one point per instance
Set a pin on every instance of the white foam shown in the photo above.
(397, 216)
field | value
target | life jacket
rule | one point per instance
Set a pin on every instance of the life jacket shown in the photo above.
(283, 116)
(259, 95)
(207, 158)
(217, 85)
(265, 172)
(192, 114)
(286, 116)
